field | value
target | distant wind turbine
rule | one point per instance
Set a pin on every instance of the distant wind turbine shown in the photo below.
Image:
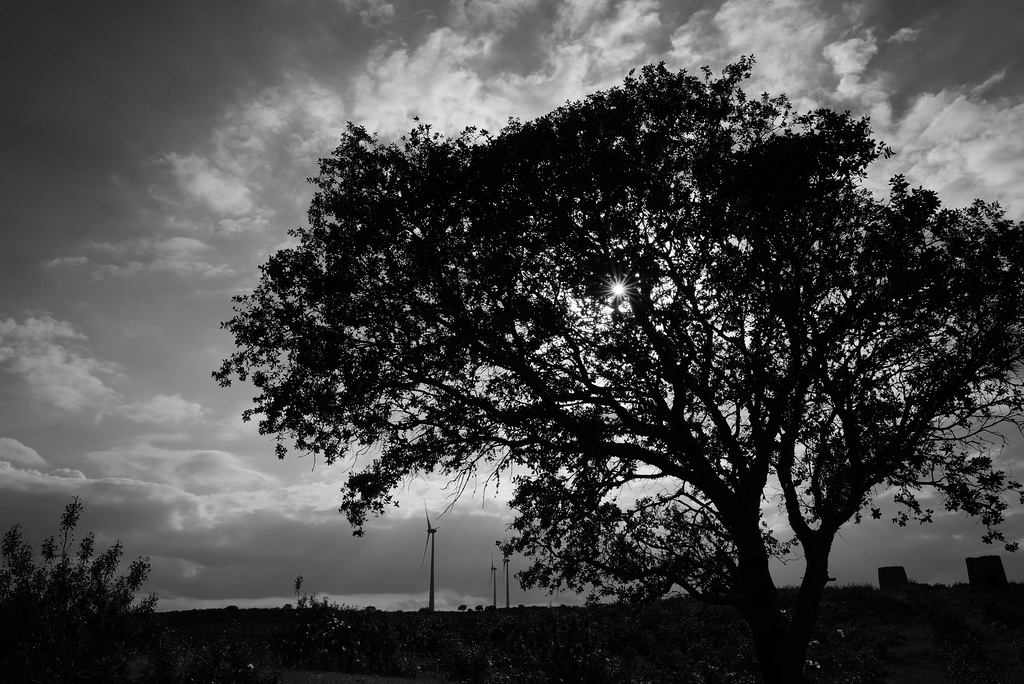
(505, 562)
(494, 581)
(430, 541)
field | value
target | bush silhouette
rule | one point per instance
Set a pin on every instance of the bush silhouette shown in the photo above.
(70, 615)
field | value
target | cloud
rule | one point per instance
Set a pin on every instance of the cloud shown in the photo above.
(162, 408)
(223, 192)
(180, 256)
(577, 16)
(68, 474)
(961, 146)
(278, 131)
(374, 13)
(627, 35)
(18, 478)
(458, 76)
(41, 328)
(954, 141)
(611, 39)
(42, 352)
(197, 471)
(489, 15)
(849, 59)
(785, 36)
(16, 453)
(248, 224)
(66, 262)
(433, 81)
(904, 35)
(251, 167)
(868, 93)
(988, 83)
(278, 126)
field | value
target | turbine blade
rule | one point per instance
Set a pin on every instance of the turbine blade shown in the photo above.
(427, 543)
(426, 514)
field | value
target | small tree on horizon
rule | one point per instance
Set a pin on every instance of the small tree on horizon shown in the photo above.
(676, 310)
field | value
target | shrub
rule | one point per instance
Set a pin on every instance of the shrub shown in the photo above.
(71, 615)
(319, 638)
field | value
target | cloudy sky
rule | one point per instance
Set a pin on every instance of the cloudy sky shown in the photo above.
(153, 154)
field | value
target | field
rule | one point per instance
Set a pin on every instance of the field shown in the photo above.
(931, 634)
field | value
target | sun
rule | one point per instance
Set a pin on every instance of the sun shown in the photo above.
(618, 289)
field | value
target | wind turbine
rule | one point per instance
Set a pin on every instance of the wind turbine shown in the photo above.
(494, 581)
(505, 562)
(430, 541)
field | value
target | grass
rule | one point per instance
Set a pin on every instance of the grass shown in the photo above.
(930, 634)
(341, 678)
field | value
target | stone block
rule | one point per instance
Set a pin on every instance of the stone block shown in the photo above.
(986, 572)
(892, 578)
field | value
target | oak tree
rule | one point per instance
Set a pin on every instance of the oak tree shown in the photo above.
(678, 313)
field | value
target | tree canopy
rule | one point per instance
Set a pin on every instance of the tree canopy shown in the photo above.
(676, 310)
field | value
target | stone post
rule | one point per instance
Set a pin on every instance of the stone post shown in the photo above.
(986, 572)
(892, 578)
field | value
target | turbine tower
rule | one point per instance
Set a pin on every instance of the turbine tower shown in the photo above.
(505, 562)
(430, 541)
(494, 581)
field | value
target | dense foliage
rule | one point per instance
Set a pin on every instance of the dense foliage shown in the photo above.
(70, 615)
(675, 311)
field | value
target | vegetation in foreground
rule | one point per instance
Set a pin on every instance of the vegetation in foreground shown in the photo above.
(931, 634)
(71, 618)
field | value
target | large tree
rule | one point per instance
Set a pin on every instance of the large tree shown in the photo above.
(676, 310)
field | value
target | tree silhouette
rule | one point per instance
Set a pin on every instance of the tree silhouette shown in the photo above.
(70, 617)
(677, 310)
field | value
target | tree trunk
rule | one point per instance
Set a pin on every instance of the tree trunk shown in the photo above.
(808, 599)
(781, 642)
(778, 657)
(780, 653)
